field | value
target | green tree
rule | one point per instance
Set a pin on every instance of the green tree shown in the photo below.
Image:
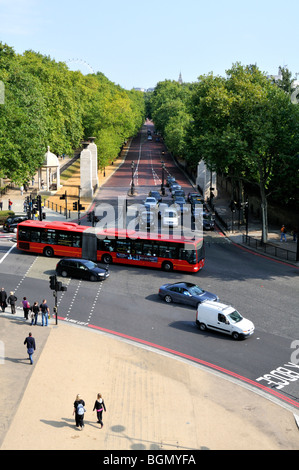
(243, 125)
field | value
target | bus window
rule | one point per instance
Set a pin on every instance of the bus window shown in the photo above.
(49, 237)
(77, 241)
(137, 248)
(188, 255)
(123, 246)
(24, 235)
(106, 245)
(64, 238)
(35, 236)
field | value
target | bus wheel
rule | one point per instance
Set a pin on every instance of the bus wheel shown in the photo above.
(106, 259)
(167, 266)
(48, 251)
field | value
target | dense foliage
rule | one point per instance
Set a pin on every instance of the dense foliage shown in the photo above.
(47, 104)
(242, 125)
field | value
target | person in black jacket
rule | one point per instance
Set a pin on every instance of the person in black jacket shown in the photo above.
(79, 411)
(99, 406)
(30, 343)
(11, 300)
(3, 297)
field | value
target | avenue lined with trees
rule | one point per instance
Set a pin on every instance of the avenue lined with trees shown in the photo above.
(243, 126)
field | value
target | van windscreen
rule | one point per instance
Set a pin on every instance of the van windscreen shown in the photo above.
(235, 316)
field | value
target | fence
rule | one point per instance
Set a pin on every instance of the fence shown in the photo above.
(57, 208)
(270, 249)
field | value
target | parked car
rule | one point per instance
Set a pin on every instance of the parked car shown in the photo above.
(181, 206)
(11, 223)
(196, 203)
(162, 206)
(151, 202)
(82, 269)
(170, 218)
(146, 219)
(195, 197)
(173, 187)
(170, 180)
(178, 192)
(208, 221)
(156, 195)
(185, 293)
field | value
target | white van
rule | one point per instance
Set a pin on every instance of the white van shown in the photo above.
(223, 318)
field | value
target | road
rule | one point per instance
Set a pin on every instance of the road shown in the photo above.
(263, 290)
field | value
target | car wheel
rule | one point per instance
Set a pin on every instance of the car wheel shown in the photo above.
(92, 278)
(48, 251)
(235, 335)
(168, 299)
(202, 327)
(107, 259)
(64, 273)
(167, 266)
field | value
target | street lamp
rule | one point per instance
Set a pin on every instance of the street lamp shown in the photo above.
(132, 184)
(162, 185)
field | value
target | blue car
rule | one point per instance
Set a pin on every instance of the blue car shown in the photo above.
(185, 293)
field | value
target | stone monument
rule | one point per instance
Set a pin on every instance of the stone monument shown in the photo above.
(86, 177)
(94, 162)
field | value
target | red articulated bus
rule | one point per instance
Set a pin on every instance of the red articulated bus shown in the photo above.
(67, 239)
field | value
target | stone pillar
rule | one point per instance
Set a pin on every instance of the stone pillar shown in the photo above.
(94, 162)
(206, 180)
(86, 172)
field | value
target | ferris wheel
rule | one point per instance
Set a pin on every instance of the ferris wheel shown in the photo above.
(79, 65)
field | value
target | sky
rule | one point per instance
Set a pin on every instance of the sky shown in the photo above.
(138, 43)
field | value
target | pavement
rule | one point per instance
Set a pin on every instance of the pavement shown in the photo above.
(155, 401)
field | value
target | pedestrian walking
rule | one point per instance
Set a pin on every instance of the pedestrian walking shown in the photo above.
(30, 343)
(283, 234)
(35, 311)
(26, 307)
(99, 406)
(3, 299)
(1, 205)
(11, 300)
(45, 311)
(9, 204)
(295, 234)
(79, 411)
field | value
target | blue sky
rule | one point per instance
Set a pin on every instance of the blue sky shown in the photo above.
(138, 43)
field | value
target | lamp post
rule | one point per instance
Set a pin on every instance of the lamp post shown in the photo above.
(162, 185)
(132, 183)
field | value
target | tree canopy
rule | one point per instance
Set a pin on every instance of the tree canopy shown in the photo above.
(46, 104)
(243, 125)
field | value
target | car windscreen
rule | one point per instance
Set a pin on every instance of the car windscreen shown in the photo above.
(90, 264)
(195, 290)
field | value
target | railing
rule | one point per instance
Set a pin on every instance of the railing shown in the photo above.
(57, 208)
(270, 249)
